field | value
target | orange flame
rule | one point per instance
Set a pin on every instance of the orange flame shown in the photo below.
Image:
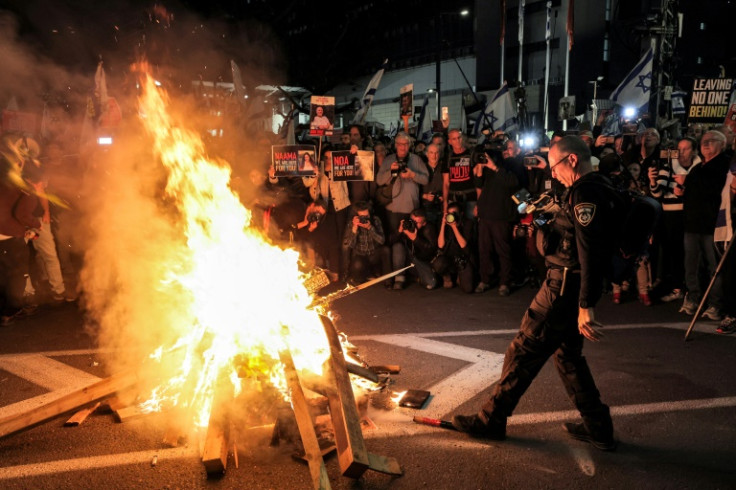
(242, 299)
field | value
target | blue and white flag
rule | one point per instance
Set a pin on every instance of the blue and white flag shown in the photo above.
(370, 92)
(636, 88)
(724, 227)
(548, 29)
(424, 124)
(392, 131)
(500, 113)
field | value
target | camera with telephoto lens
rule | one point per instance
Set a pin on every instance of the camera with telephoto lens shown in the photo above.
(364, 219)
(452, 218)
(409, 225)
(314, 217)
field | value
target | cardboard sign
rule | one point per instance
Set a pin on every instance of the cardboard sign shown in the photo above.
(406, 100)
(709, 100)
(294, 160)
(348, 166)
(321, 115)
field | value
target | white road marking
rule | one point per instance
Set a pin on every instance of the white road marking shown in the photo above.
(107, 460)
(45, 372)
(400, 424)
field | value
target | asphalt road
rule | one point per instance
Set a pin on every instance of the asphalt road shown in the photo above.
(673, 404)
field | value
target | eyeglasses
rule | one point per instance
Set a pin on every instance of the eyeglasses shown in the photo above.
(551, 167)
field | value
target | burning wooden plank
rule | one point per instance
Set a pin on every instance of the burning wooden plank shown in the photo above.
(68, 403)
(353, 457)
(214, 453)
(313, 453)
(351, 451)
(81, 416)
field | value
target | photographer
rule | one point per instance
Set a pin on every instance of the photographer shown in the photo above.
(403, 172)
(496, 217)
(317, 234)
(419, 242)
(363, 246)
(455, 255)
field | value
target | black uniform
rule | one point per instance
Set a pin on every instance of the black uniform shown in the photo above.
(580, 248)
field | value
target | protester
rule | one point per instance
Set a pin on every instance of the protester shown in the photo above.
(701, 199)
(562, 314)
(457, 173)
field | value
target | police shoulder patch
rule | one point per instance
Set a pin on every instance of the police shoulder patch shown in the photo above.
(584, 213)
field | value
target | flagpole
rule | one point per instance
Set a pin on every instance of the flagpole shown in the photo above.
(569, 29)
(503, 39)
(548, 34)
(521, 34)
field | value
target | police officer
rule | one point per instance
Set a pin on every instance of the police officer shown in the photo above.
(562, 315)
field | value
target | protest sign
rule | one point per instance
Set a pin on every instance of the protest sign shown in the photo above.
(731, 115)
(709, 100)
(406, 100)
(348, 166)
(294, 160)
(321, 115)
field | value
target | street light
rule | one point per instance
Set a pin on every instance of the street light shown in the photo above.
(462, 13)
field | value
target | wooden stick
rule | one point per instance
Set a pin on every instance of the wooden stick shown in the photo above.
(214, 452)
(81, 416)
(312, 451)
(351, 451)
(68, 403)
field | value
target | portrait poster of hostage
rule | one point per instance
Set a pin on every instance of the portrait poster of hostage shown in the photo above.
(347, 166)
(294, 160)
(321, 115)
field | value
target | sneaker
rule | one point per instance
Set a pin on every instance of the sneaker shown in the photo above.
(713, 313)
(645, 299)
(727, 326)
(475, 427)
(688, 307)
(503, 290)
(579, 432)
(482, 287)
(617, 298)
(674, 295)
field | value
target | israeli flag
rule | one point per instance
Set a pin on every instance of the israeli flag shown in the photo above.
(424, 125)
(370, 92)
(636, 88)
(500, 112)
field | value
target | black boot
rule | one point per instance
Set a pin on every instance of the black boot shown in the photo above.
(481, 426)
(581, 433)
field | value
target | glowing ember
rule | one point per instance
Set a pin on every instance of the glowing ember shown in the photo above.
(241, 300)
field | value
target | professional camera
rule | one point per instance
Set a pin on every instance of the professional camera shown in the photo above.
(452, 218)
(527, 204)
(409, 225)
(314, 217)
(402, 168)
(364, 219)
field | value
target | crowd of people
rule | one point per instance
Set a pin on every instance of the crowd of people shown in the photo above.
(460, 213)
(452, 209)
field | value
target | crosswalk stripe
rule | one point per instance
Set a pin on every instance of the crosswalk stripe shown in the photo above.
(45, 372)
